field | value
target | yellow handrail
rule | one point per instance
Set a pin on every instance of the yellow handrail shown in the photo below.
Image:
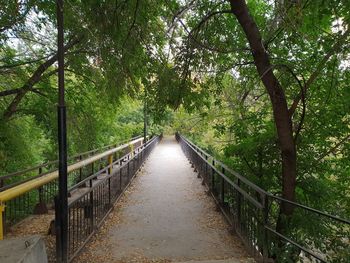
(21, 189)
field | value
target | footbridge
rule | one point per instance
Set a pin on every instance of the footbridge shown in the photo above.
(164, 200)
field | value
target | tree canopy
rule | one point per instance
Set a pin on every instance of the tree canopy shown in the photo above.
(261, 84)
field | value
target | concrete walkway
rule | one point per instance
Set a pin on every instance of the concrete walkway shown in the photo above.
(165, 216)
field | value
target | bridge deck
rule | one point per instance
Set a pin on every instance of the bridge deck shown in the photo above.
(164, 216)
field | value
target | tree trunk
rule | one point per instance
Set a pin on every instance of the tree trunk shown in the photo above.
(279, 105)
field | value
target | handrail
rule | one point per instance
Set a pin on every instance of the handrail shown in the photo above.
(37, 182)
(110, 165)
(36, 167)
(254, 219)
(91, 207)
(257, 188)
(27, 170)
(296, 244)
(228, 180)
(44, 187)
(339, 219)
(237, 175)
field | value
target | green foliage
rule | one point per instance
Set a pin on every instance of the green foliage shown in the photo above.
(30, 140)
(239, 128)
(22, 144)
(193, 58)
(116, 47)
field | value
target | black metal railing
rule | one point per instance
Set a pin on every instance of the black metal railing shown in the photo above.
(89, 207)
(39, 199)
(253, 214)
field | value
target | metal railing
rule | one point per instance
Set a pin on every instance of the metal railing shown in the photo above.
(253, 214)
(34, 193)
(87, 211)
(12, 179)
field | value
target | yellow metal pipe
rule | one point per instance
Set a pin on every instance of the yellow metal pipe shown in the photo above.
(132, 150)
(37, 182)
(110, 162)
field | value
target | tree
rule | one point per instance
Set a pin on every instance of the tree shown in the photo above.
(109, 47)
(294, 49)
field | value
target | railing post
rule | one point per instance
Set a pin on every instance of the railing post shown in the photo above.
(222, 195)
(110, 163)
(132, 150)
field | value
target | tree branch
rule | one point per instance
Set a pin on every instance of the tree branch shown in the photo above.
(22, 63)
(15, 20)
(337, 45)
(9, 92)
(132, 24)
(303, 97)
(213, 49)
(34, 79)
(207, 17)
